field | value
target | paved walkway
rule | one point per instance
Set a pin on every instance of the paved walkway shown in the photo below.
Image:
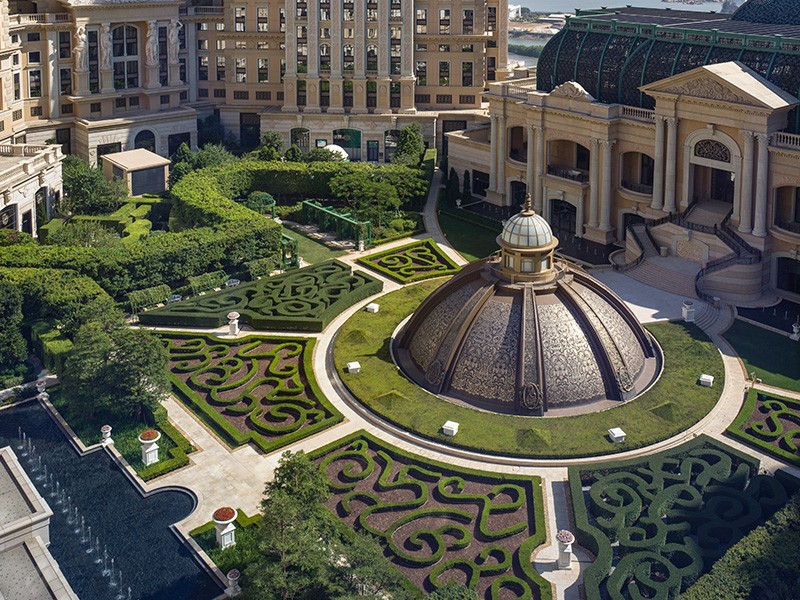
(221, 476)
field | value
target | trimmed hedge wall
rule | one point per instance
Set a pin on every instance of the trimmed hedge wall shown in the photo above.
(670, 516)
(50, 345)
(770, 423)
(287, 387)
(412, 262)
(463, 516)
(301, 300)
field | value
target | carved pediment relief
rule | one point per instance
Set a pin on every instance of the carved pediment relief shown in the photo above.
(708, 88)
(572, 90)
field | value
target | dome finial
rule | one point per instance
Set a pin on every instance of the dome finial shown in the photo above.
(527, 208)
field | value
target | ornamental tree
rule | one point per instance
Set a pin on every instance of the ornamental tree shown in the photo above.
(294, 154)
(410, 146)
(87, 191)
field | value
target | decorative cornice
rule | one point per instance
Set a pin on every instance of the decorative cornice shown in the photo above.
(572, 90)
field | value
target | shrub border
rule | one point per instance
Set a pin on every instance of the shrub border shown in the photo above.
(452, 267)
(227, 432)
(527, 547)
(734, 430)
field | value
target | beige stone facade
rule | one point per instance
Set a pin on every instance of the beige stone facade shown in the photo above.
(713, 146)
(101, 76)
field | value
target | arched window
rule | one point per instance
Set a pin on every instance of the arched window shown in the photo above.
(324, 57)
(372, 57)
(125, 56)
(145, 139)
(348, 55)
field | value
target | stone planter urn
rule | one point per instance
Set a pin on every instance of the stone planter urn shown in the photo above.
(233, 588)
(105, 431)
(795, 330)
(565, 540)
(223, 525)
(149, 441)
(41, 386)
(233, 323)
(688, 311)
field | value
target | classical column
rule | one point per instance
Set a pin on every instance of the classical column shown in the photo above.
(672, 151)
(605, 212)
(501, 155)
(337, 83)
(594, 183)
(658, 170)
(746, 188)
(540, 167)
(290, 77)
(492, 153)
(312, 79)
(383, 60)
(407, 72)
(762, 179)
(360, 65)
(529, 158)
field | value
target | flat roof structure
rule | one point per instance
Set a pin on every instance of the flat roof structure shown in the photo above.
(136, 160)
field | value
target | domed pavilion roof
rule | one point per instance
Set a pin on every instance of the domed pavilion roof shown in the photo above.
(773, 12)
(506, 338)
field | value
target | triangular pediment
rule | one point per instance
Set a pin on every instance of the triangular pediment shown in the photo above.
(729, 82)
(572, 90)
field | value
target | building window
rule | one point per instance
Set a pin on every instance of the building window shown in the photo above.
(163, 68)
(95, 107)
(324, 10)
(202, 44)
(34, 37)
(324, 57)
(35, 84)
(241, 70)
(348, 33)
(262, 19)
(444, 47)
(444, 72)
(422, 20)
(17, 87)
(16, 115)
(466, 74)
(444, 21)
(202, 27)
(238, 18)
(422, 72)
(263, 70)
(202, 93)
(133, 102)
(324, 93)
(120, 103)
(302, 58)
(467, 48)
(347, 94)
(241, 95)
(202, 68)
(348, 13)
(282, 20)
(182, 69)
(466, 99)
(444, 99)
(94, 62)
(348, 57)
(34, 57)
(301, 93)
(164, 98)
(125, 44)
(468, 22)
(372, 14)
(263, 95)
(65, 81)
(394, 94)
(372, 57)
(491, 18)
(219, 93)
(372, 94)
(183, 96)
(219, 26)
(66, 109)
(395, 9)
(422, 98)
(36, 111)
(64, 45)
(279, 96)
(220, 68)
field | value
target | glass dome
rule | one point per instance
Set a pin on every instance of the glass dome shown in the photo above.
(527, 230)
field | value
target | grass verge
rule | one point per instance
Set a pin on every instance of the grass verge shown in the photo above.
(311, 250)
(471, 241)
(774, 357)
(672, 405)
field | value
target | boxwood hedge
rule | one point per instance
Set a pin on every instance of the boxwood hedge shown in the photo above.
(412, 262)
(770, 423)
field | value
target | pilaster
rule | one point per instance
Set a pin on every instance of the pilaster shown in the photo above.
(746, 189)
(671, 167)
(658, 169)
(762, 180)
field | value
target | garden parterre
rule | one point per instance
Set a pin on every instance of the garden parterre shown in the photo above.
(412, 262)
(303, 300)
(439, 522)
(770, 423)
(657, 523)
(255, 389)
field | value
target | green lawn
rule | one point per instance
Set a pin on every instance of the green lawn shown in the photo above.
(673, 404)
(470, 241)
(311, 250)
(775, 358)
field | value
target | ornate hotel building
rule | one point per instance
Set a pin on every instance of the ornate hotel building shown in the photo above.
(664, 132)
(100, 76)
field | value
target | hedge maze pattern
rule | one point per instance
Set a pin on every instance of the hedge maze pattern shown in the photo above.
(302, 300)
(656, 525)
(771, 423)
(257, 389)
(439, 523)
(412, 262)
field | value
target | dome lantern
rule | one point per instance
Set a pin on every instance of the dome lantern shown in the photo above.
(527, 244)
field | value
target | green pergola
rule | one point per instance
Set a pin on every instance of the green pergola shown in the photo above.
(330, 219)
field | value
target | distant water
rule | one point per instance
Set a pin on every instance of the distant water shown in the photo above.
(569, 6)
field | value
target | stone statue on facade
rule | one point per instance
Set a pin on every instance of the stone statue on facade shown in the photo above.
(105, 46)
(79, 51)
(173, 38)
(151, 47)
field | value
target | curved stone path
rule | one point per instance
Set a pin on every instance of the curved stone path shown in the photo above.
(222, 476)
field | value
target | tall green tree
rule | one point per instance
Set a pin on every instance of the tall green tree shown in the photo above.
(13, 349)
(115, 371)
(410, 146)
(272, 139)
(294, 154)
(186, 161)
(87, 191)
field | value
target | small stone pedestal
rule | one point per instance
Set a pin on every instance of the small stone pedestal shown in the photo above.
(105, 431)
(688, 311)
(354, 367)
(706, 380)
(223, 526)
(450, 428)
(565, 541)
(373, 307)
(148, 439)
(233, 588)
(617, 435)
(233, 323)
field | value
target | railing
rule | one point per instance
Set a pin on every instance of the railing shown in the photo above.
(787, 140)
(641, 114)
(24, 19)
(205, 10)
(636, 262)
(578, 175)
(639, 188)
(516, 88)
